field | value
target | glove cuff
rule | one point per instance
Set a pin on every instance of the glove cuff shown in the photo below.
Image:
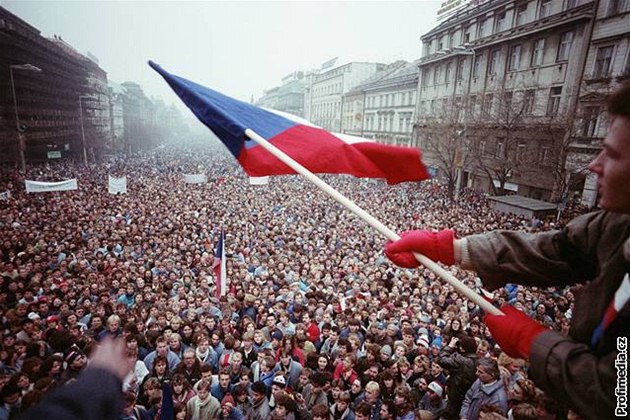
(445, 246)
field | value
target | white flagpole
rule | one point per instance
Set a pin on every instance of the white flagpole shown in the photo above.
(372, 221)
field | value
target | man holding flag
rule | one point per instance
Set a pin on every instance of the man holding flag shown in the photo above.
(578, 370)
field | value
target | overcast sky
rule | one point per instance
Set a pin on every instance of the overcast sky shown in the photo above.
(238, 48)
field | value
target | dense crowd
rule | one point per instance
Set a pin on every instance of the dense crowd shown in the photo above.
(317, 323)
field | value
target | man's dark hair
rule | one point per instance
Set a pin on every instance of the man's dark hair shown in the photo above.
(618, 103)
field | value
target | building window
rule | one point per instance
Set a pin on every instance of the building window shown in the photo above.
(476, 65)
(616, 7)
(590, 120)
(467, 34)
(538, 52)
(564, 48)
(481, 28)
(553, 105)
(460, 70)
(544, 154)
(530, 101)
(494, 61)
(521, 13)
(603, 61)
(487, 103)
(500, 150)
(451, 40)
(499, 22)
(481, 149)
(572, 3)
(447, 73)
(472, 103)
(515, 57)
(520, 152)
(545, 9)
(436, 75)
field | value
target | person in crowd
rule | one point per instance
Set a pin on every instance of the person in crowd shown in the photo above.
(203, 406)
(577, 369)
(488, 389)
(459, 359)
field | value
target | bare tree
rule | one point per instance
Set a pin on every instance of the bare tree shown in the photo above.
(443, 141)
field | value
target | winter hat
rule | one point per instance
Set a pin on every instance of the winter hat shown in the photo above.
(423, 341)
(33, 316)
(387, 350)
(437, 341)
(436, 387)
(280, 381)
(73, 355)
(468, 344)
(228, 399)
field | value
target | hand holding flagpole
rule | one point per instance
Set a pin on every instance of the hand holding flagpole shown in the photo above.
(372, 221)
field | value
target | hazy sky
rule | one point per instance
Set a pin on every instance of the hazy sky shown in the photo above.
(237, 47)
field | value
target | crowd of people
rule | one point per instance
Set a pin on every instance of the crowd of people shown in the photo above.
(316, 323)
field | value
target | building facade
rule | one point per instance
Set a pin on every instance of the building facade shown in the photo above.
(382, 108)
(327, 90)
(607, 66)
(41, 81)
(498, 87)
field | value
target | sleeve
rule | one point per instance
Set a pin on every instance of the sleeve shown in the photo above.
(95, 395)
(545, 259)
(569, 371)
(463, 412)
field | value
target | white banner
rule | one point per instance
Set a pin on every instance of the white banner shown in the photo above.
(258, 180)
(195, 178)
(117, 185)
(39, 186)
(6, 195)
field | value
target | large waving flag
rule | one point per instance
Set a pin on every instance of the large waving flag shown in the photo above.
(315, 148)
(219, 268)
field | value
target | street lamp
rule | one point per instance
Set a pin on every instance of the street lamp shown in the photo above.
(82, 130)
(20, 129)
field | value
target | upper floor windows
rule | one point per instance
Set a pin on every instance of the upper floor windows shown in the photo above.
(538, 52)
(564, 48)
(545, 9)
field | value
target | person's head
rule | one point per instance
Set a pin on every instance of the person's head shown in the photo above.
(160, 365)
(285, 404)
(612, 164)
(203, 389)
(320, 412)
(161, 346)
(372, 392)
(363, 411)
(488, 370)
(152, 387)
(224, 378)
(259, 391)
(343, 399)
(388, 410)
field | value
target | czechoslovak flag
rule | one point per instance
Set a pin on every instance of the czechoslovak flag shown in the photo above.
(313, 147)
(219, 267)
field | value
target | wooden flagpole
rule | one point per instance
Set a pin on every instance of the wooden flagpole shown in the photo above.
(372, 221)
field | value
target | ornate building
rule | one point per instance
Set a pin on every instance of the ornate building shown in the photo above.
(498, 89)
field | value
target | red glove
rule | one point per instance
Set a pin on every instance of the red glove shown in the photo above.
(437, 246)
(515, 332)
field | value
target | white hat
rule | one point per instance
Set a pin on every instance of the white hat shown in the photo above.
(279, 380)
(423, 340)
(435, 387)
